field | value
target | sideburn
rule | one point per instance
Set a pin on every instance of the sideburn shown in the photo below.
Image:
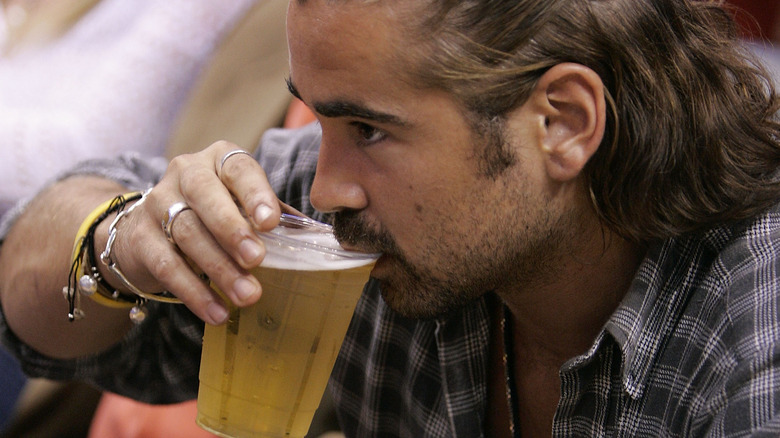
(491, 149)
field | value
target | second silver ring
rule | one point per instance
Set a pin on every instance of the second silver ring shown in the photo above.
(228, 155)
(170, 216)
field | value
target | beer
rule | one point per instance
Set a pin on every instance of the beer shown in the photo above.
(264, 372)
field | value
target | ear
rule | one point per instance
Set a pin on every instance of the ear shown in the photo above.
(569, 102)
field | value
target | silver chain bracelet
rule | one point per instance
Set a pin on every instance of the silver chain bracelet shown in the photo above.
(137, 313)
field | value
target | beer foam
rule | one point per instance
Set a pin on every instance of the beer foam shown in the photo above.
(309, 250)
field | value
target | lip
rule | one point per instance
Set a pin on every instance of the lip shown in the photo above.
(354, 248)
(349, 247)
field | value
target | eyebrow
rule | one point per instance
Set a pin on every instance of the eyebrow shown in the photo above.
(342, 108)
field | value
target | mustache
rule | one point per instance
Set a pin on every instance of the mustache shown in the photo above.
(350, 227)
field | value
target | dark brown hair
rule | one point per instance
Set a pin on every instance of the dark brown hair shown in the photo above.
(692, 134)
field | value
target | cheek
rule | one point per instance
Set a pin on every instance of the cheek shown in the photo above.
(414, 201)
(421, 219)
(414, 191)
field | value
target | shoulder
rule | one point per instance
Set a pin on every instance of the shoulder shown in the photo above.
(739, 272)
(747, 262)
(746, 283)
(712, 311)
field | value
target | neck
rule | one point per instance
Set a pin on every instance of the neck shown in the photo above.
(558, 316)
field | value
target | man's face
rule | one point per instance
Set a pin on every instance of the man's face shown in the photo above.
(406, 172)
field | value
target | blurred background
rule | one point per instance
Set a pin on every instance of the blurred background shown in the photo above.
(242, 63)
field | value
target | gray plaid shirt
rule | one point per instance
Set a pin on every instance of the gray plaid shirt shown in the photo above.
(693, 349)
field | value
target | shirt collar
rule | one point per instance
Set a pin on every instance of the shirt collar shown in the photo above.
(652, 306)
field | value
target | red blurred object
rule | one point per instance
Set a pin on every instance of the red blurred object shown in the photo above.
(298, 114)
(759, 19)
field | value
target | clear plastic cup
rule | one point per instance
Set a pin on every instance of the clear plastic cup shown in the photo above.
(264, 372)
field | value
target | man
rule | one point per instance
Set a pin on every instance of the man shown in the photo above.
(576, 203)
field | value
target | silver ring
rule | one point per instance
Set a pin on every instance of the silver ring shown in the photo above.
(228, 155)
(170, 216)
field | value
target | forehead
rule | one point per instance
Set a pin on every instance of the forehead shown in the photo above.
(329, 35)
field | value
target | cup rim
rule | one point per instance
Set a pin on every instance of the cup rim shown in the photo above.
(304, 223)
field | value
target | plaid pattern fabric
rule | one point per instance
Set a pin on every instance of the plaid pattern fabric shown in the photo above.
(691, 351)
(398, 377)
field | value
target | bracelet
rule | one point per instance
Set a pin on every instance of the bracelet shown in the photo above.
(112, 265)
(84, 275)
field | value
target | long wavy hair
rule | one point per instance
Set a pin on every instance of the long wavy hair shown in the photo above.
(692, 134)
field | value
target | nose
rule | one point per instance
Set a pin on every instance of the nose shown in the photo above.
(336, 184)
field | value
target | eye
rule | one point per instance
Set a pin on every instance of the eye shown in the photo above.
(367, 135)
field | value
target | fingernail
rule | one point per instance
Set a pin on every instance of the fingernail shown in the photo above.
(217, 313)
(249, 250)
(262, 212)
(244, 289)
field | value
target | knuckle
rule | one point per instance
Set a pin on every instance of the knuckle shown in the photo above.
(230, 228)
(163, 267)
(179, 162)
(236, 166)
(185, 226)
(194, 178)
(217, 269)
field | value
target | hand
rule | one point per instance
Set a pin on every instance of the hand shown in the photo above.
(213, 235)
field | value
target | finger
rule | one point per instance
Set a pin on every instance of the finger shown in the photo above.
(152, 264)
(176, 276)
(247, 181)
(194, 179)
(193, 239)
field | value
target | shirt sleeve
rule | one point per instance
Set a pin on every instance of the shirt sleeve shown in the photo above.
(130, 169)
